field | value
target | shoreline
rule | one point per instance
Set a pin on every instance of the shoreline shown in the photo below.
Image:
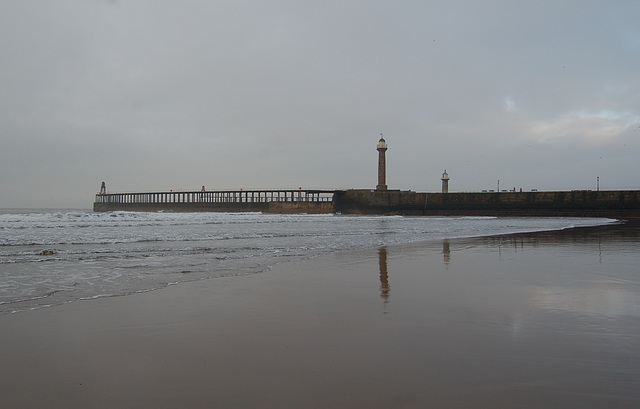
(520, 320)
(57, 297)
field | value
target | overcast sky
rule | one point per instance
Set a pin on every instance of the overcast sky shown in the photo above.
(159, 95)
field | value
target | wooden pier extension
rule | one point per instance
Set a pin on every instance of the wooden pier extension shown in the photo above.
(268, 201)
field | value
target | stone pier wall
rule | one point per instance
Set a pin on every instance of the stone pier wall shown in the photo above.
(583, 203)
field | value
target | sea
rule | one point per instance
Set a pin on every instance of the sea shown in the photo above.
(52, 257)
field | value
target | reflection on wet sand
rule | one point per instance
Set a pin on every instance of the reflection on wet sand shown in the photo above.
(446, 251)
(605, 300)
(623, 235)
(601, 280)
(384, 276)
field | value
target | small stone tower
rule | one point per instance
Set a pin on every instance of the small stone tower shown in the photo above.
(445, 182)
(382, 164)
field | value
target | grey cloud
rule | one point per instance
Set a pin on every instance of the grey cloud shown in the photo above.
(160, 95)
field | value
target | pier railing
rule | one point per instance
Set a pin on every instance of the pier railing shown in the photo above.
(227, 196)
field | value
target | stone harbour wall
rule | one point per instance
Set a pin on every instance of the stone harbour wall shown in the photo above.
(579, 203)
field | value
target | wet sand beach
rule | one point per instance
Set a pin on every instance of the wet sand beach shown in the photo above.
(536, 320)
